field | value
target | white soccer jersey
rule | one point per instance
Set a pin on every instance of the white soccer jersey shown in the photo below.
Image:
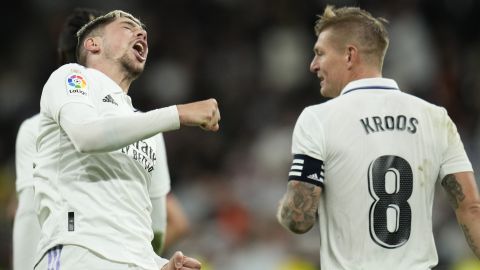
(382, 152)
(25, 150)
(100, 201)
(26, 230)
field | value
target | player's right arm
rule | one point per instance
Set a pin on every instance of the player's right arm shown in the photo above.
(76, 113)
(464, 197)
(204, 114)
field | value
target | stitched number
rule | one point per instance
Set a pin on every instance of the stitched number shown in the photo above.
(390, 182)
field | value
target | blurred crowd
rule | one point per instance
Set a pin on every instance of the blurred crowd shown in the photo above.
(252, 56)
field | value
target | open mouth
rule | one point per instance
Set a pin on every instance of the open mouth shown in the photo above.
(141, 50)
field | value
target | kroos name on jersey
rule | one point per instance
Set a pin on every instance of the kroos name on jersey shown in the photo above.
(373, 124)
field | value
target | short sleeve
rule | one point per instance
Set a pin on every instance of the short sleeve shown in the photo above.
(160, 184)
(308, 136)
(454, 158)
(69, 83)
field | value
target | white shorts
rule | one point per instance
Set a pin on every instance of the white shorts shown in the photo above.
(26, 231)
(72, 257)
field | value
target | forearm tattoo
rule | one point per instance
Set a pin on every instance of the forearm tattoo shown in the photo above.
(453, 189)
(469, 239)
(299, 208)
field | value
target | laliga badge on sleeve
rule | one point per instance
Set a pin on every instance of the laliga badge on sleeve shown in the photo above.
(76, 84)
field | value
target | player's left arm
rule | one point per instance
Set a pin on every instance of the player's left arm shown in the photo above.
(459, 183)
(464, 197)
(297, 210)
(178, 224)
(158, 191)
(159, 223)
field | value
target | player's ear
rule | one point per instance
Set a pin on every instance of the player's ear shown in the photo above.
(91, 44)
(351, 55)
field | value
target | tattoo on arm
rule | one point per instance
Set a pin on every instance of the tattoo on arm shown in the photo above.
(299, 208)
(453, 189)
(469, 238)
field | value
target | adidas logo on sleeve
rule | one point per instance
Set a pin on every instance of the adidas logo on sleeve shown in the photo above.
(109, 98)
(307, 169)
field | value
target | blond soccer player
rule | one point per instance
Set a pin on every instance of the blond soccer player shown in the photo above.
(367, 161)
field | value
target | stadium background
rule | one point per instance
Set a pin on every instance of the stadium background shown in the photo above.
(253, 57)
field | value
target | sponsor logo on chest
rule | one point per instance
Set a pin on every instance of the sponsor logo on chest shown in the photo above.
(143, 152)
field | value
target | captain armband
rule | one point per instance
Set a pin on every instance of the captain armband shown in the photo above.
(307, 169)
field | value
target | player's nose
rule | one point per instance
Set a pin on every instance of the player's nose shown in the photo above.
(314, 65)
(142, 33)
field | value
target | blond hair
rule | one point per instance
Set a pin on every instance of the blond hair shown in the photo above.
(357, 26)
(95, 25)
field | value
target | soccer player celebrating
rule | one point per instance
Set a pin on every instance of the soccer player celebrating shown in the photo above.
(97, 157)
(367, 160)
(26, 230)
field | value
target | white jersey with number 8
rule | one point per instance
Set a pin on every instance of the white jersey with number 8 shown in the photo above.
(383, 152)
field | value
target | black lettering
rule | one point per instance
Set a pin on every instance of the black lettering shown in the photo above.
(143, 159)
(150, 152)
(135, 144)
(413, 128)
(144, 147)
(135, 154)
(366, 125)
(389, 122)
(378, 123)
(75, 91)
(401, 122)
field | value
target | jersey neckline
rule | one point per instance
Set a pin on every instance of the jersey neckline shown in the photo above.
(370, 84)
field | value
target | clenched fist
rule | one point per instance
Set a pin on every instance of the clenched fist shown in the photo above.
(181, 262)
(204, 114)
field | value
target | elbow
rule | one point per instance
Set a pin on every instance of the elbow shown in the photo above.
(297, 227)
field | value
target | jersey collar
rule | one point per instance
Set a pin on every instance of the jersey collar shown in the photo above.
(370, 84)
(113, 86)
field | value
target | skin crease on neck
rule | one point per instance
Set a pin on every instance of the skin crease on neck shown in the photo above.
(336, 67)
(113, 52)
